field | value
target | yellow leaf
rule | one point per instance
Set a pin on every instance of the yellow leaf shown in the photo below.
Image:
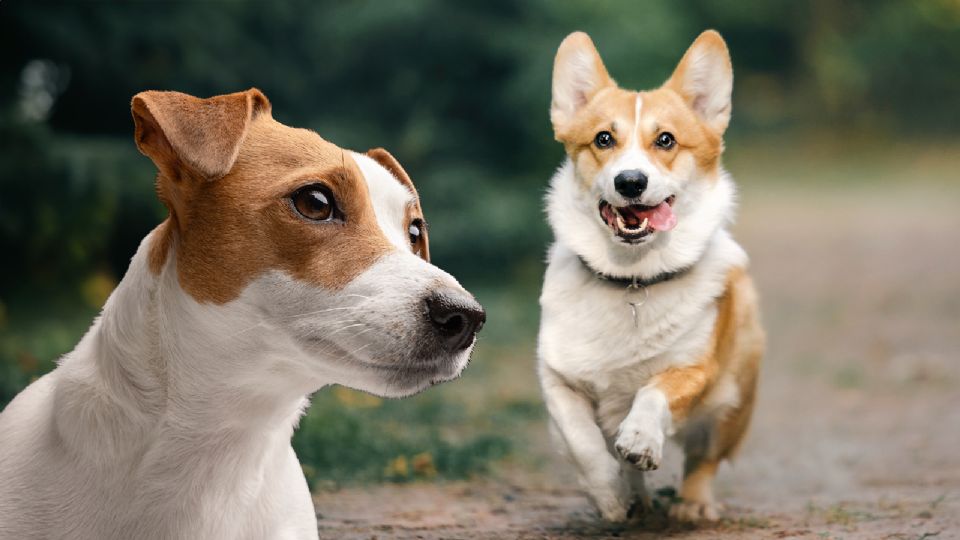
(355, 399)
(96, 288)
(397, 468)
(423, 465)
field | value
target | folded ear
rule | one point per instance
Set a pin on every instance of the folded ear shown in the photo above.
(179, 131)
(704, 78)
(578, 73)
(390, 163)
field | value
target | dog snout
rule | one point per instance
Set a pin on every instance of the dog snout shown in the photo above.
(630, 183)
(456, 317)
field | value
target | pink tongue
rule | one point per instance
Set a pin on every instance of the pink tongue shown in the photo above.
(661, 217)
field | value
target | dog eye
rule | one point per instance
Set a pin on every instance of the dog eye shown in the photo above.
(604, 140)
(314, 202)
(666, 140)
(415, 230)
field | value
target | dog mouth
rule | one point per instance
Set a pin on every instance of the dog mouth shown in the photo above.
(635, 222)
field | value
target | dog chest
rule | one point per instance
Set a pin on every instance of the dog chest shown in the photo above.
(589, 334)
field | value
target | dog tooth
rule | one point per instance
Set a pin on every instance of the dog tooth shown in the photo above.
(644, 224)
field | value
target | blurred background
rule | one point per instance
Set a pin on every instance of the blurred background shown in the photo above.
(844, 141)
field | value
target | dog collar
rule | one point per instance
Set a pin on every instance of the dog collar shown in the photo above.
(636, 281)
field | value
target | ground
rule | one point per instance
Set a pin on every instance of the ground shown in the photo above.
(857, 429)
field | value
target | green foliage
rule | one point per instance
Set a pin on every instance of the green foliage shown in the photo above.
(458, 91)
(30, 343)
(68, 208)
(400, 441)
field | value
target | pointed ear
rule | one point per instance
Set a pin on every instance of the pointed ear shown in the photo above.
(704, 79)
(390, 163)
(179, 131)
(578, 74)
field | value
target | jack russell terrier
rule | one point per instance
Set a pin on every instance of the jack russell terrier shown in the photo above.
(286, 264)
(649, 319)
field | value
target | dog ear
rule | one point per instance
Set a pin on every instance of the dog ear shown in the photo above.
(704, 79)
(179, 131)
(578, 73)
(390, 163)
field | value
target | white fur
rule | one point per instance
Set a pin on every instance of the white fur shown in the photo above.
(390, 200)
(172, 419)
(708, 81)
(595, 363)
(574, 80)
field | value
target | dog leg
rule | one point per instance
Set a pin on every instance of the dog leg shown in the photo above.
(683, 388)
(642, 502)
(696, 493)
(639, 440)
(599, 471)
(705, 446)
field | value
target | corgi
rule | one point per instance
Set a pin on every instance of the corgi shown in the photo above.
(286, 264)
(650, 326)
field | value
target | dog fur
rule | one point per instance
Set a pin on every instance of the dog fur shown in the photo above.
(172, 417)
(686, 368)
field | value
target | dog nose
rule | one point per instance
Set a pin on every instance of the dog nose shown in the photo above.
(630, 183)
(456, 317)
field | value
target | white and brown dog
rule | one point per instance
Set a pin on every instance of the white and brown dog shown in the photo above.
(649, 320)
(286, 264)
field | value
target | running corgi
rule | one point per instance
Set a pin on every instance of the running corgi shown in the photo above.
(650, 326)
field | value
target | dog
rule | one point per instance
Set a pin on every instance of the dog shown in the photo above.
(286, 264)
(650, 324)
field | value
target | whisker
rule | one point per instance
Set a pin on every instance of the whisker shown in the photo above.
(345, 328)
(358, 349)
(245, 330)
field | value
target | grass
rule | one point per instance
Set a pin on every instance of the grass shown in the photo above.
(31, 340)
(349, 437)
(464, 429)
(454, 431)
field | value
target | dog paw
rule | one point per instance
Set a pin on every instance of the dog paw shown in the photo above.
(642, 448)
(612, 500)
(613, 511)
(692, 511)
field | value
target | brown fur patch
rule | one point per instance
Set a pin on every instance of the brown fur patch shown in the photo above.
(735, 348)
(162, 236)
(665, 111)
(236, 227)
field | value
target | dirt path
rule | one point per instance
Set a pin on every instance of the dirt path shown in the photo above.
(857, 432)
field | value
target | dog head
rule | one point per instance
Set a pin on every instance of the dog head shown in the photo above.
(642, 161)
(325, 247)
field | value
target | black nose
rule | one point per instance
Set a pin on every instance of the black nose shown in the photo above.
(630, 183)
(456, 317)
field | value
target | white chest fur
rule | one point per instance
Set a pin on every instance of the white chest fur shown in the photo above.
(588, 333)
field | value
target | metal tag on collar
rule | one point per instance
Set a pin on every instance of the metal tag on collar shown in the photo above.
(636, 295)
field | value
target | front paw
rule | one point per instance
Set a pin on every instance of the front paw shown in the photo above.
(640, 446)
(612, 509)
(610, 495)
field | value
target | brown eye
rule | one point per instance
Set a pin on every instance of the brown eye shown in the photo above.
(314, 202)
(666, 140)
(604, 140)
(415, 231)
